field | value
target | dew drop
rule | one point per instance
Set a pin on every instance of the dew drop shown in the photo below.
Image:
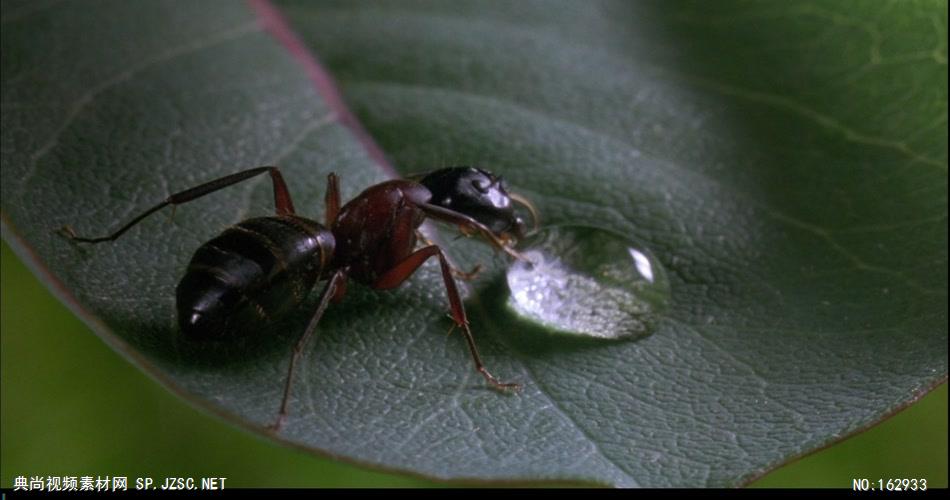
(589, 282)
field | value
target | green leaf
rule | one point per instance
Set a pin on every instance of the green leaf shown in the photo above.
(786, 163)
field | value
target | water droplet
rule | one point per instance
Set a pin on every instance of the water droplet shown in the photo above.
(590, 282)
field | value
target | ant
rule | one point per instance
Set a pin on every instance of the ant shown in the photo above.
(259, 269)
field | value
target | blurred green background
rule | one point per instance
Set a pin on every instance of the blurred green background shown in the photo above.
(71, 406)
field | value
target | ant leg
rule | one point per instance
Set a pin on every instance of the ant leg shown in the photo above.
(282, 201)
(332, 199)
(328, 292)
(470, 225)
(466, 275)
(458, 273)
(395, 276)
(423, 237)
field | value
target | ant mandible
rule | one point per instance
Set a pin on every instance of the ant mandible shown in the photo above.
(259, 269)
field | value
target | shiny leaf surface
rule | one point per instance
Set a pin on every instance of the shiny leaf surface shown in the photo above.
(786, 163)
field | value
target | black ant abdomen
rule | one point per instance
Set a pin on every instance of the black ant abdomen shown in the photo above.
(251, 274)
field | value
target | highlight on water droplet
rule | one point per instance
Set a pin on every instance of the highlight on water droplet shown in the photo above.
(590, 282)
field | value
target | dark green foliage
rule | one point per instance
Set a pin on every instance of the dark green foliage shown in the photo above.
(787, 164)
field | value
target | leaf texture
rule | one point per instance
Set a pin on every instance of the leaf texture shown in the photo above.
(786, 163)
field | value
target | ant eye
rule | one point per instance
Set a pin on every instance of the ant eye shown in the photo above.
(482, 185)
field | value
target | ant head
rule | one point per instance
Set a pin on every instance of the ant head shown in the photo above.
(480, 195)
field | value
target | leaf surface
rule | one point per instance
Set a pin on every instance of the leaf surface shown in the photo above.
(786, 163)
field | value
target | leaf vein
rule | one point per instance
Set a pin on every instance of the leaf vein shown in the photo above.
(80, 104)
